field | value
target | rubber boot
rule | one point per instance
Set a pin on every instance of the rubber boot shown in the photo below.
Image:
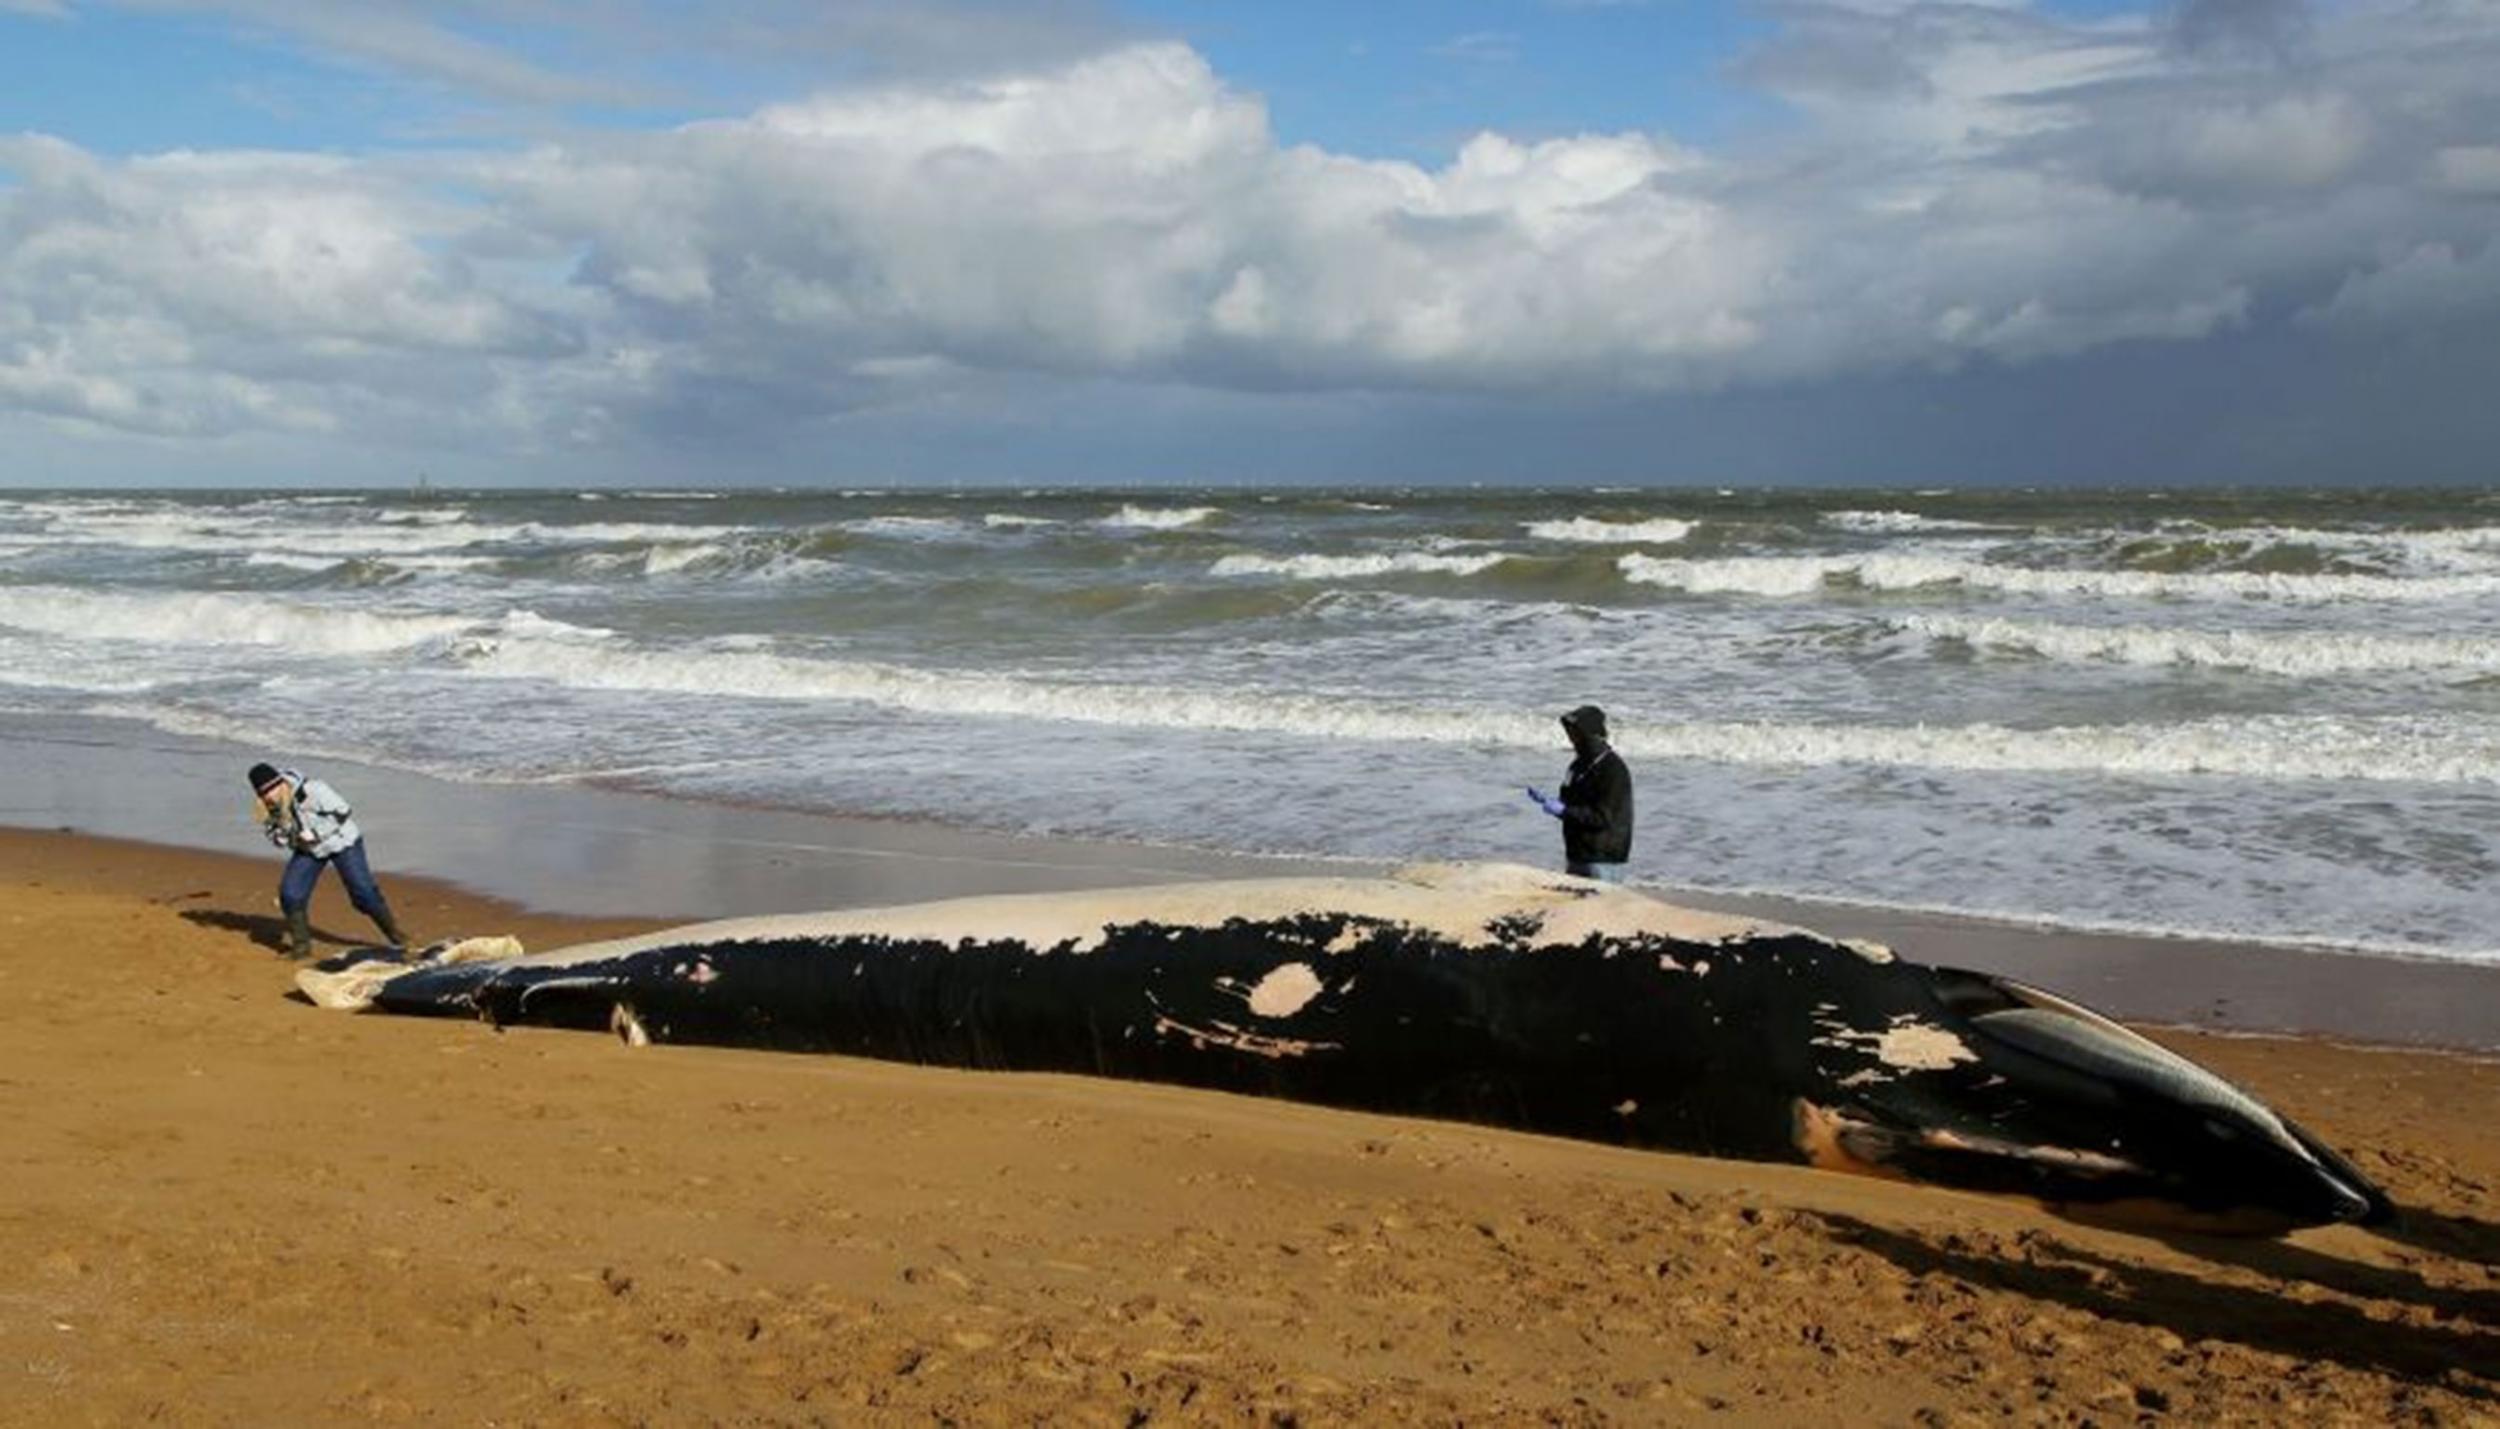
(298, 934)
(391, 932)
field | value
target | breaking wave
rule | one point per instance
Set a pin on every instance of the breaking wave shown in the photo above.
(2259, 747)
(909, 528)
(1808, 575)
(666, 558)
(2307, 653)
(27, 670)
(249, 534)
(218, 618)
(1591, 531)
(388, 534)
(1334, 568)
(1144, 518)
(284, 561)
(2453, 548)
(1895, 522)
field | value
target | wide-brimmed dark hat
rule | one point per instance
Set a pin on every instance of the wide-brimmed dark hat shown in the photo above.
(1588, 720)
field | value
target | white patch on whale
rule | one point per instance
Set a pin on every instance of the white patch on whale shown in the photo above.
(1285, 990)
(1908, 1044)
(1918, 1047)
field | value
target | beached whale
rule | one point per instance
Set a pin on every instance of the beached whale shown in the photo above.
(1492, 994)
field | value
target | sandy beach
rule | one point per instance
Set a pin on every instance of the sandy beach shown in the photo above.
(227, 1207)
(1118, 713)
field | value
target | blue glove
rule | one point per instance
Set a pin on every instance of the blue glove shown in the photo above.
(1549, 805)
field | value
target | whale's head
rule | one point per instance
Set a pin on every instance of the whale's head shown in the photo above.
(2099, 1122)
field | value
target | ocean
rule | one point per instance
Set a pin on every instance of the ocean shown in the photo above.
(2267, 714)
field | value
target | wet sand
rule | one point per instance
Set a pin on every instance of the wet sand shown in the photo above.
(223, 1206)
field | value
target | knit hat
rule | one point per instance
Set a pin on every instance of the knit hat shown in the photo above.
(264, 775)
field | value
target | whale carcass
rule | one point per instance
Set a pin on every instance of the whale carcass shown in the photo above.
(1492, 994)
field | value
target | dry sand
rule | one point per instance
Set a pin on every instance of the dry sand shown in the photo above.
(222, 1206)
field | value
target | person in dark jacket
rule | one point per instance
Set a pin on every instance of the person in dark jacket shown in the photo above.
(1596, 803)
(314, 824)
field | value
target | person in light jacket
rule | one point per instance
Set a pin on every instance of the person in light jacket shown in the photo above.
(316, 827)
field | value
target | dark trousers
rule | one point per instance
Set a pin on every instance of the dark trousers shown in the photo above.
(303, 870)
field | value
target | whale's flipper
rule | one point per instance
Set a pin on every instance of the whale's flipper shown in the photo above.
(349, 981)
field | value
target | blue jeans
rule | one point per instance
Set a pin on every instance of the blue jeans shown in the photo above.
(303, 870)
(1602, 872)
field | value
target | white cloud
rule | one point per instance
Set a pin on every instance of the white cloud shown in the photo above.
(1966, 184)
(200, 293)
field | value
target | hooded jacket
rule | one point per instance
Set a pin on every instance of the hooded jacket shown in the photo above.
(1596, 794)
(319, 821)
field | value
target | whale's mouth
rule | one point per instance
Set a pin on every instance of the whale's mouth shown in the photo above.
(1835, 1139)
(2080, 1185)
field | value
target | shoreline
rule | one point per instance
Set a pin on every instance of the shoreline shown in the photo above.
(584, 850)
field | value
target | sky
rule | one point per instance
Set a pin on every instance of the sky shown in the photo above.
(249, 242)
